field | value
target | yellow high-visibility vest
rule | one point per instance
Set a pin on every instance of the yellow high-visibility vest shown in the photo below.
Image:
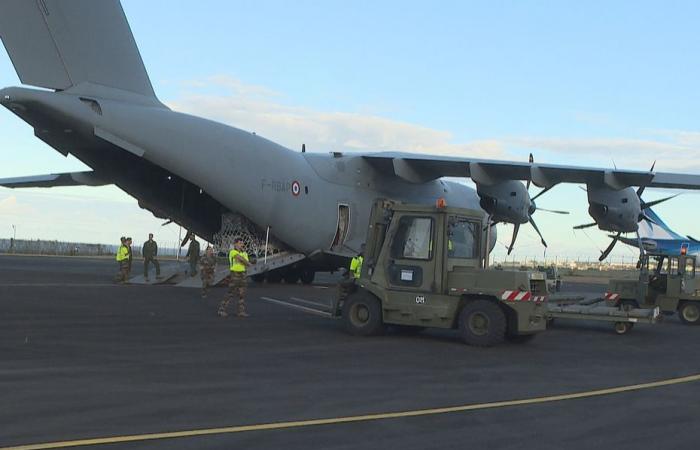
(122, 253)
(356, 266)
(234, 264)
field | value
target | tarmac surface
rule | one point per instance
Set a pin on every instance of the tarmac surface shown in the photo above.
(83, 358)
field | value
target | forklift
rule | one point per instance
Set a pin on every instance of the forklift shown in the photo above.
(665, 281)
(427, 267)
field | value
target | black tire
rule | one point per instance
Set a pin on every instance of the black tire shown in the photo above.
(689, 313)
(623, 327)
(520, 338)
(307, 276)
(291, 276)
(482, 323)
(259, 278)
(274, 276)
(362, 314)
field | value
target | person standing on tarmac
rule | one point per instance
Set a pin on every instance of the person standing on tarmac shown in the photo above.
(347, 284)
(150, 252)
(123, 261)
(207, 267)
(238, 262)
(193, 254)
(129, 241)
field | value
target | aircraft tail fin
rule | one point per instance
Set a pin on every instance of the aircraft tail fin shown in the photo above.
(657, 229)
(60, 44)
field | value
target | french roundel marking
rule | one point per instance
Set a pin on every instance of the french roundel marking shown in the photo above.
(296, 188)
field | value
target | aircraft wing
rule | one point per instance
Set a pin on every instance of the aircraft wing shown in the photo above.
(87, 178)
(417, 168)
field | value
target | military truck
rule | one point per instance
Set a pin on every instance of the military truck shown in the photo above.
(666, 281)
(426, 266)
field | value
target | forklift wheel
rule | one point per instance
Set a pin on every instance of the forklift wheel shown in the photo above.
(689, 313)
(482, 323)
(623, 327)
(362, 314)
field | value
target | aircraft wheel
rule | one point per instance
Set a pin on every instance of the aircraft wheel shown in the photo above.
(689, 313)
(362, 314)
(482, 323)
(307, 276)
(623, 327)
(291, 276)
(259, 278)
(274, 276)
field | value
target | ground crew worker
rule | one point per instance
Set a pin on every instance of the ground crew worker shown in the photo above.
(128, 246)
(207, 267)
(123, 261)
(193, 254)
(356, 263)
(149, 252)
(238, 262)
(347, 285)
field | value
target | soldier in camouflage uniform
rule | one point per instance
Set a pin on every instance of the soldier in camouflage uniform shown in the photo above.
(238, 262)
(207, 267)
(149, 251)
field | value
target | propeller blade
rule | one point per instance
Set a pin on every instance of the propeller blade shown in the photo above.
(607, 251)
(647, 205)
(167, 222)
(516, 228)
(491, 224)
(648, 219)
(587, 225)
(641, 246)
(534, 225)
(553, 211)
(531, 160)
(640, 191)
(540, 193)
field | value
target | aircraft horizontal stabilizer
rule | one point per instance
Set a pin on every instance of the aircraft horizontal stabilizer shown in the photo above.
(54, 180)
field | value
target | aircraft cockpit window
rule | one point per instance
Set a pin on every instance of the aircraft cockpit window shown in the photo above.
(463, 238)
(413, 239)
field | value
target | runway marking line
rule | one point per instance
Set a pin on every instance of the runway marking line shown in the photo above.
(293, 306)
(359, 418)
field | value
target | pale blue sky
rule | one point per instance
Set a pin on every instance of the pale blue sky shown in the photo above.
(573, 82)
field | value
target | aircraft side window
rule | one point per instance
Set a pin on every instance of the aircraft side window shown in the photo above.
(413, 239)
(463, 238)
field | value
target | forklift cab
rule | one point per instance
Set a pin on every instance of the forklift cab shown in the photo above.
(670, 274)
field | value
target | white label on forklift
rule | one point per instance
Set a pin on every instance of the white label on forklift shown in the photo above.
(406, 275)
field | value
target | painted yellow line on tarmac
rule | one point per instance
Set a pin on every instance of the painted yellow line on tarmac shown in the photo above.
(361, 418)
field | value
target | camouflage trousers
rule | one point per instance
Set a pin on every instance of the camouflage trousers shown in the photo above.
(123, 273)
(147, 261)
(207, 280)
(236, 286)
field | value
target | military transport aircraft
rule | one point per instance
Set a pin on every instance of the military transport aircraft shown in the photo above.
(98, 104)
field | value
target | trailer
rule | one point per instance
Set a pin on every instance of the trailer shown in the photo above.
(622, 319)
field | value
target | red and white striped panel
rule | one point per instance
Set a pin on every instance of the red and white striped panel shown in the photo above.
(611, 296)
(516, 296)
(539, 299)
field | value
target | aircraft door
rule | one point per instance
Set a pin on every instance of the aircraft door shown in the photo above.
(343, 226)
